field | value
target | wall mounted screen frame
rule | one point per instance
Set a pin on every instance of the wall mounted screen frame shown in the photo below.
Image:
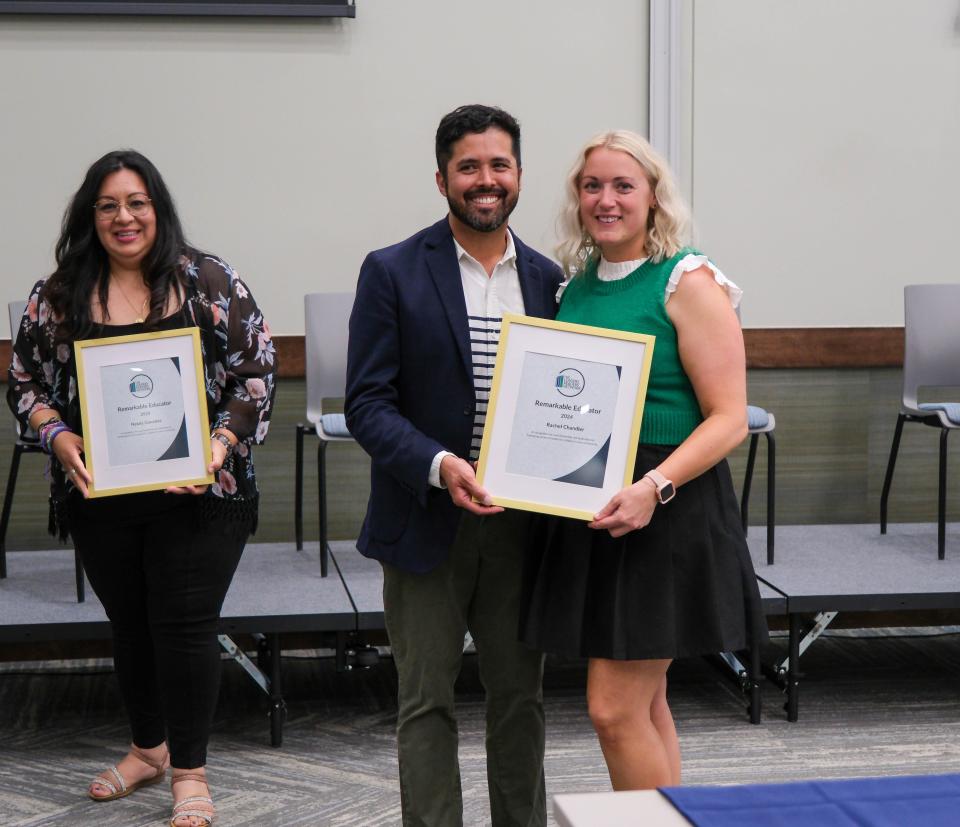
(211, 8)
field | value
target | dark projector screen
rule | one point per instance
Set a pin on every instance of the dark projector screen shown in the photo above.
(234, 8)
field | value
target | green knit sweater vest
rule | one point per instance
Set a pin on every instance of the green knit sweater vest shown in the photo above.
(635, 303)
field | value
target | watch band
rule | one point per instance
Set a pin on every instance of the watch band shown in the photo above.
(665, 488)
(223, 439)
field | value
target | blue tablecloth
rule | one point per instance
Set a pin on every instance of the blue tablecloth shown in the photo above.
(923, 800)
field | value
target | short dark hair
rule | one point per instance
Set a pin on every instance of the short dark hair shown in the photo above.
(473, 118)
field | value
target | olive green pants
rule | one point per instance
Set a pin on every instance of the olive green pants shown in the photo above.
(477, 588)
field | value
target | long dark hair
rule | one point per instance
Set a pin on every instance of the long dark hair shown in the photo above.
(82, 263)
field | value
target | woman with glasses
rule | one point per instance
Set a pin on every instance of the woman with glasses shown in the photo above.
(663, 570)
(160, 562)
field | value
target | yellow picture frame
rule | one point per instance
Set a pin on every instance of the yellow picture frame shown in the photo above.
(553, 338)
(119, 438)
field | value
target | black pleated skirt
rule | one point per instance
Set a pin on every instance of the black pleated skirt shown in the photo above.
(683, 585)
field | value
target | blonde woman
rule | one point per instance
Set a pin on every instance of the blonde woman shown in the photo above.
(663, 570)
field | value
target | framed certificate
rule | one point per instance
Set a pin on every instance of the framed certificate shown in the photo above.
(144, 408)
(564, 415)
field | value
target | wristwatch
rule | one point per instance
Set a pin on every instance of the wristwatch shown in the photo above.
(665, 489)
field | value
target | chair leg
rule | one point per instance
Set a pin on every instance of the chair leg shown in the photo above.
(322, 497)
(771, 494)
(8, 506)
(888, 478)
(942, 497)
(298, 489)
(78, 568)
(748, 480)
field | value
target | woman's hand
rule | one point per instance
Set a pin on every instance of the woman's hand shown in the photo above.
(629, 509)
(186, 489)
(218, 455)
(68, 449)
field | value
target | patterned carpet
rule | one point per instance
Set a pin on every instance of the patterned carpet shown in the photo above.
(874, 706)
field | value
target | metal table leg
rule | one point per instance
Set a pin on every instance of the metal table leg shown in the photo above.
(793, 672)
(278, 709)
(756, 701)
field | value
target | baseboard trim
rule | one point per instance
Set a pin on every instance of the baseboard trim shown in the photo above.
(824, 347)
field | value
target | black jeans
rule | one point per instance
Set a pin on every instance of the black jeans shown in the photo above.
(161, 574)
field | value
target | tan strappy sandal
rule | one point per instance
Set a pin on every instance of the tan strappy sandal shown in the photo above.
(191, 805)
(117, 784)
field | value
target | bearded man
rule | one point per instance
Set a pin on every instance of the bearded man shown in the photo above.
(423, 338)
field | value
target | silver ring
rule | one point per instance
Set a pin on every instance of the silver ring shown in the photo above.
(73, 470)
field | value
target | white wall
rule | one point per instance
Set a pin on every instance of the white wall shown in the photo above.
(826, 153)
(293, 148)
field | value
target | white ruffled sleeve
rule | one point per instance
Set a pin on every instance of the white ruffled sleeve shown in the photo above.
(692, 262)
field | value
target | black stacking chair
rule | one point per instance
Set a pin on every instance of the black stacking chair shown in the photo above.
(24, 443)
(931, 359)
(760, 421)
(327, 315)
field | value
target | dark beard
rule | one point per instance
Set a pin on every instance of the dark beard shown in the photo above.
(484, 223)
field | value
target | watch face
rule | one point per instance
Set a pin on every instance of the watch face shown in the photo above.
(666, 493)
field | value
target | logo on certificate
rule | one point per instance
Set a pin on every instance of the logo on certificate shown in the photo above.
(141, 386)
(570, 382)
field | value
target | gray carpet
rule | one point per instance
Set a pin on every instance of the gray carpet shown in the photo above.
(874, 706)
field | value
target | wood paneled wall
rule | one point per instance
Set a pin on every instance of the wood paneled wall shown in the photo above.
(790, 347)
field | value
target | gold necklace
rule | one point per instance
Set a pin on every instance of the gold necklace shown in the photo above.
(139, 314)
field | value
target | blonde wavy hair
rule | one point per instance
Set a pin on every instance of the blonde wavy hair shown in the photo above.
(668, 225)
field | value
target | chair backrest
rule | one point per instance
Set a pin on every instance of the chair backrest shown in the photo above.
(327, 315)
(931, 355)
(15, 312)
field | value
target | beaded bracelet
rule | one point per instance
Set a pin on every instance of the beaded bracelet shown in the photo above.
(44, 427)
(50, 432)
(50, 421)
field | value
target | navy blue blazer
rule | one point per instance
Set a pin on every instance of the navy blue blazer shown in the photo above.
(410, 390)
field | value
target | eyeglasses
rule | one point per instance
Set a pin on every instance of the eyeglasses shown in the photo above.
(106, 209)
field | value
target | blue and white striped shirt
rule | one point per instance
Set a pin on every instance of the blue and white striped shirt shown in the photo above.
(487, 299)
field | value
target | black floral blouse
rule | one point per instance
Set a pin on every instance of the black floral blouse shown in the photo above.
(239, 362)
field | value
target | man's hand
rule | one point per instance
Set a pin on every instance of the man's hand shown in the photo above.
(461, 481)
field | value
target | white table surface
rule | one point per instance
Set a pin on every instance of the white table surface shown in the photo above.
(616, 809)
